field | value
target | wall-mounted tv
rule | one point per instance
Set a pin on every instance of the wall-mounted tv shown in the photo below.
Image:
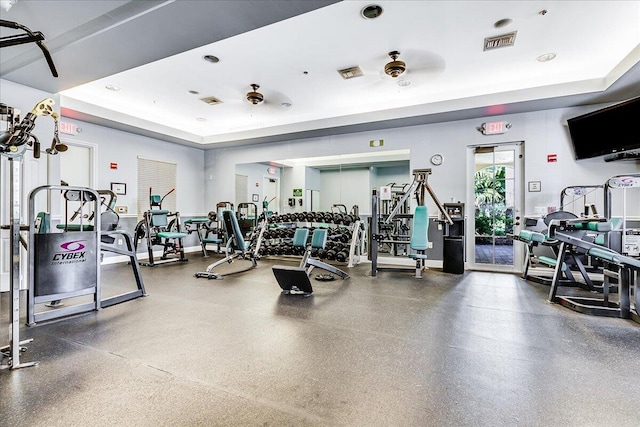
(612, 130)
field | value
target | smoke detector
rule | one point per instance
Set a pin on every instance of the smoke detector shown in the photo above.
(395, 67)
(254, 96)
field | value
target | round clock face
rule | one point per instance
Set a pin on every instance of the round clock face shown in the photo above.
(437, 159)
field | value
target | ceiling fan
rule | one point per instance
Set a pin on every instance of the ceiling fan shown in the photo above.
(271, 100)
(420, 67)
(254, 97)
(395, 67)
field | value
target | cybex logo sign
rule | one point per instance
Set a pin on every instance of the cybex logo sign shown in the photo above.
(73, 253)
(624, 182)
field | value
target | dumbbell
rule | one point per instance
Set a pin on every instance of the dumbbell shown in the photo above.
(342, 256)
(331, 255)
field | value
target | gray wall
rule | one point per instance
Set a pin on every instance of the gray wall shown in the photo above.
(543, 132)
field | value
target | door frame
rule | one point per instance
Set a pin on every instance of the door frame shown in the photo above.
(518, 252)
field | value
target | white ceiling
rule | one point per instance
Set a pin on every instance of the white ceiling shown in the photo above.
(153, 52)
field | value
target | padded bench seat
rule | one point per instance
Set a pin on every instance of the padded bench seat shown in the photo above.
(211, 240)
(196, 220)
(551, 262)
(171, 235)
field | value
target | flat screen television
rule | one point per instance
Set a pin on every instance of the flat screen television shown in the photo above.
(612, 130)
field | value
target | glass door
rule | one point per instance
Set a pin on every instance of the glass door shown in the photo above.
(496, 195)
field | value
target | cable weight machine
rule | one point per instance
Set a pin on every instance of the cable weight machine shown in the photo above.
(14, 141)
(418, 188)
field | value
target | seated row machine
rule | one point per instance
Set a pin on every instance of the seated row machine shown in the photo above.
(295, 280)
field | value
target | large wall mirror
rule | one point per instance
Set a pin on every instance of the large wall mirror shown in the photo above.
(320, 183)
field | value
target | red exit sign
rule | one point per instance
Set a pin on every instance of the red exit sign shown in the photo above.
(494, 128)
(67, 128)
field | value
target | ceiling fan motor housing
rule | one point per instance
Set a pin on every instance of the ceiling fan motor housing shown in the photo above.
(395, 67)
(254, 96)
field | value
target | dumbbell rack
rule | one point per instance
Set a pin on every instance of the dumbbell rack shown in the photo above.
(345, 235)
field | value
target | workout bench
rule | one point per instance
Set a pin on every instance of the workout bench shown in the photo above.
(295, 280)
(236, 247)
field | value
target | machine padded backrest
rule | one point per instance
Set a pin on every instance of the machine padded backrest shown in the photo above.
(159, 218)
(300, 237)
(319, 238)
(232, 229)
(420, 229)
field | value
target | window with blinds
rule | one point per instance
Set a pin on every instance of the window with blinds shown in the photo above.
(161, 178)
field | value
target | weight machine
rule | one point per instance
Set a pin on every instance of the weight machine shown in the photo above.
(622, 268)
(160, 227)
(626, 237)
(204, 228)
(14, 141)
(585, 197)
(419, 239)
(65, 263)
(236, 247)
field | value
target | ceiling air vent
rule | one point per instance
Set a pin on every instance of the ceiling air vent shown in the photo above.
(211, 100)
(351, 72)
(503, 40)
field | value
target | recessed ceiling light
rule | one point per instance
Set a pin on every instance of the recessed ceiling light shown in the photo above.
(211, 58)
(194, 92)
(546, 57)
(112, 87)
(201, 119)
(371, 12)
(503, 23)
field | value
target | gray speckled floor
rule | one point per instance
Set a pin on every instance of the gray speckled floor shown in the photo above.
(479, 349)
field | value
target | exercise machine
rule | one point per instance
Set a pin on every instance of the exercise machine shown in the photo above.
(247, 217)
(626, 237)
(27, 36)
(64, 261)
(419, 238)
(582, 200)
(236, 247)
(623, 269)
(295, 280)
(14, 141)
(205, 229)
(160, 227)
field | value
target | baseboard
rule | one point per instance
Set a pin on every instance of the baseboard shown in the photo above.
(143, 255)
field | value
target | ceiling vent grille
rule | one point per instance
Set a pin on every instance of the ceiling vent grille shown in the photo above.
(211, 100)
(503, 40)
(351, 72)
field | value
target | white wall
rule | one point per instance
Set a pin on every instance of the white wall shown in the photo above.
(346, 187)
(256, 172)
(122, 148)
(391, 174)
(543, 132)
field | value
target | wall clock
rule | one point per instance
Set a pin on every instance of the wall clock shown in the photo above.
(437, 159)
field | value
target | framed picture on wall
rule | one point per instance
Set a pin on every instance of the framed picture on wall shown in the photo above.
(255, 198)
(119, 188)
